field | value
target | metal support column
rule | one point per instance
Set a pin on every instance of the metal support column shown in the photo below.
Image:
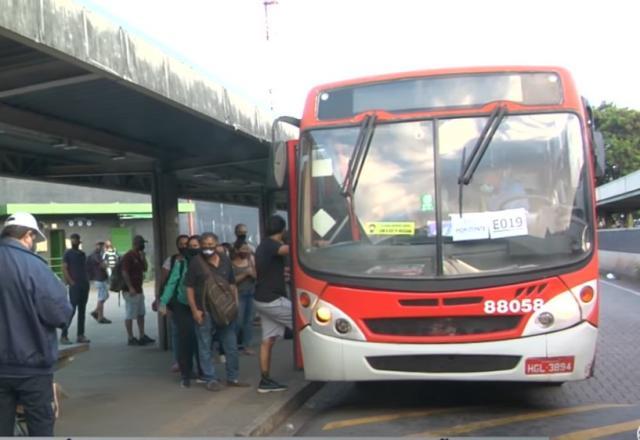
(266, 209)
(164, 199)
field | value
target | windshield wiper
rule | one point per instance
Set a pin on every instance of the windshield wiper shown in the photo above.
(358, 156)
(468, 167)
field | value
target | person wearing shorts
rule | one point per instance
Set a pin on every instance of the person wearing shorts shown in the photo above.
(271, 302)
(134, 265)
(97, 269)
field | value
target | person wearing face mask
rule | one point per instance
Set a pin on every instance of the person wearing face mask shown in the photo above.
(242, 237)
(212, 263)
(74, 268)
(134, 265)
(174, 295)
(33, 304)
(245, 274)
(181, 244)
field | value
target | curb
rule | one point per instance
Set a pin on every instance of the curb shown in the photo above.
(279, 411)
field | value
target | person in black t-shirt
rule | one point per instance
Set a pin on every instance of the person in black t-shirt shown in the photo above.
(74, 268)
(271, 301)
(201, 267)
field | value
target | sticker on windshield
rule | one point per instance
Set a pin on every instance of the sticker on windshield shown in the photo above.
(426, 203)
(322, 222)
(390, 228)
(322, 168)
(508, 223)
(471, 226)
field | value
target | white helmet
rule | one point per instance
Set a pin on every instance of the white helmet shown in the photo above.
(28, 221)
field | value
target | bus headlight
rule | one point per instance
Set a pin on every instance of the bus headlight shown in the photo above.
(331, 321)
(323, 315)
(559, 313)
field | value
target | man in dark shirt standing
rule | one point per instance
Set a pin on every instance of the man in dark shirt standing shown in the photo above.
(74, 267)
(271, 302)
(134, 265)
(201, 267)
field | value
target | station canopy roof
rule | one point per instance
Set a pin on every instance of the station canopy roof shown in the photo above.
(83, 102)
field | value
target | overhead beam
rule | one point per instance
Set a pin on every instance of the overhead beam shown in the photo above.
(199, 163)
(110, 169)
(47, 85)
(64, 129)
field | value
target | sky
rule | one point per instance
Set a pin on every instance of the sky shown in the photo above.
(312, 42)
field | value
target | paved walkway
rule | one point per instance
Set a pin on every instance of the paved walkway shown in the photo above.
(117, 390)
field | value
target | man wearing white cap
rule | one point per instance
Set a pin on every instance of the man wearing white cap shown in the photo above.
(33, 304)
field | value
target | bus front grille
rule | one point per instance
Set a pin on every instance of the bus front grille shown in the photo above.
(442, 326)
(438, 363)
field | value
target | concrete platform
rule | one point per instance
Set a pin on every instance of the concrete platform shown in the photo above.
(117, 390)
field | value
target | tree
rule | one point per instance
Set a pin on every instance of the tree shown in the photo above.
(621, 130)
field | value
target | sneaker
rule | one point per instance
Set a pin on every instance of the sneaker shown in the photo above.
(175, 368)
(82, 340)
(104, 321)
(94, 314)
(134, 341)
(248, 352)
(222, 359)
(268, 385)
(236, 383)
(201, 380)
(185, 383)
(214, 385)
(146, 340)
(65, 341)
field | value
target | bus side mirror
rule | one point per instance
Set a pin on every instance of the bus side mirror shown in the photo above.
(277, 168)
(599, 153)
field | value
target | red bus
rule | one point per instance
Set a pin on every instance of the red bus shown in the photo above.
(442, 227)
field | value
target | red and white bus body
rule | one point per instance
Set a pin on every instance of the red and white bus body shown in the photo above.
(420, 292)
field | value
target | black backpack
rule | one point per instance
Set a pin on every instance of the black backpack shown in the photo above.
(116, 282)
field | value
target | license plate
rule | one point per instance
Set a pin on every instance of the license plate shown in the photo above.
(553, 365)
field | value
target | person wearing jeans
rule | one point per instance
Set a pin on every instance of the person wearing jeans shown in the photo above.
(227, 337)
(245, 274)
(209, 264)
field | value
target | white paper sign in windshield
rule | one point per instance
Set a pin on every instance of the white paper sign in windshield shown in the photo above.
(471, 226)
(322, 222)
(491, 224)
(322, 168)
(508, 223)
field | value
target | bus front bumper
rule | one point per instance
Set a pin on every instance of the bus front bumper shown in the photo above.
(333, 359)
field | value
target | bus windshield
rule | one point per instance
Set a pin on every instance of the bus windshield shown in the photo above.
(525, 208)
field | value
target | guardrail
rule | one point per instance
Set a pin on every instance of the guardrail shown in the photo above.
(619, 252)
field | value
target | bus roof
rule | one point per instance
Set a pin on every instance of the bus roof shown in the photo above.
(571, 98)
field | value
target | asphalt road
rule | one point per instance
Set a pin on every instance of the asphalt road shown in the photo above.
(604, 407)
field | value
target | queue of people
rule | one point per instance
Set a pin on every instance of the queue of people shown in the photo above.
(256, 280)
(35, 303)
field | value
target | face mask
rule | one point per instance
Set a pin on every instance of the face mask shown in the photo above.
(75, 246)
(193, 252)
(183, 251)
(141, 246)
(208, 252)
(242, 237)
